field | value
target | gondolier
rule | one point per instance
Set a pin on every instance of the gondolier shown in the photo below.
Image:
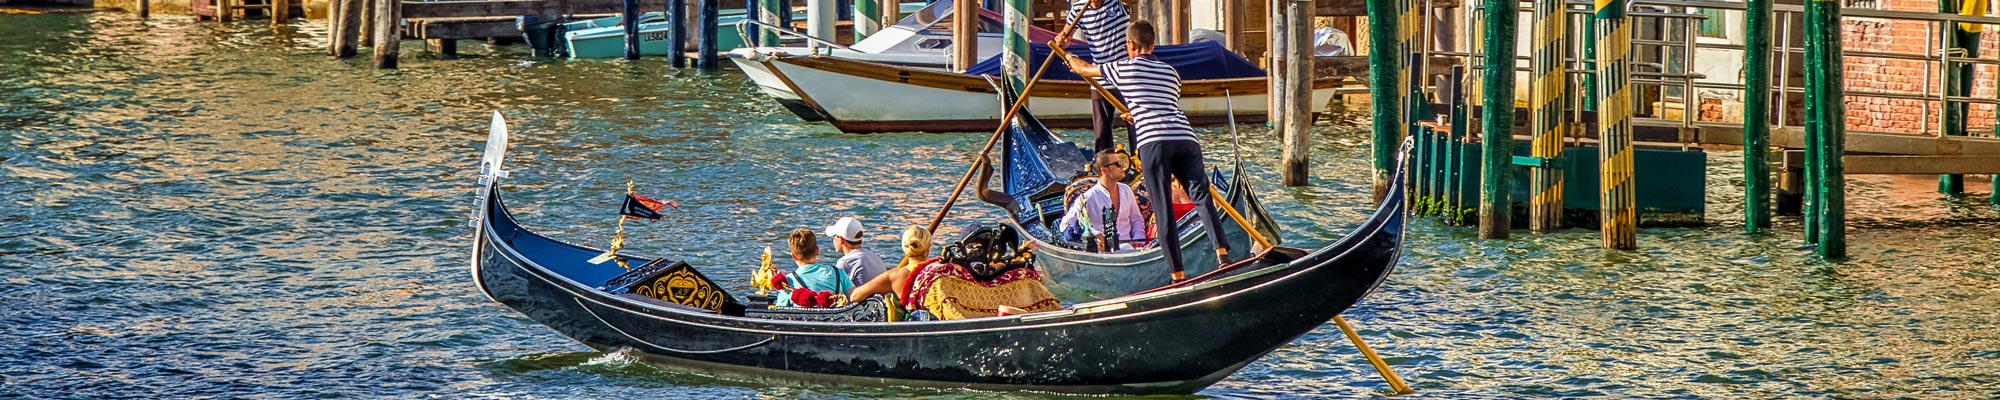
(1167, 146)
(1103, 23)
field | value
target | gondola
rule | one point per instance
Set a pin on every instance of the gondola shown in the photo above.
(1172, 340)
(1036, 166)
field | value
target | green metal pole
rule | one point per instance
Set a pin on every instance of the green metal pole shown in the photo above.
(1496, 131)
(1617, 201)
(1590, 62)
(1756, 111)
(1809, 211)
(1385, 86)
(1958, 82)
(1823, 32)
(1551, 78)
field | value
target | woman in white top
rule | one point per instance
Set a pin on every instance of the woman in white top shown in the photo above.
(1091, 207)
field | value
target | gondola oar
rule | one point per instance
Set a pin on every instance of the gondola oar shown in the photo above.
(1395, 383)
(1005, 119)
(1123, 112)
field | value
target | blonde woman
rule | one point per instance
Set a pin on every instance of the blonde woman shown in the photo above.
(916, 253)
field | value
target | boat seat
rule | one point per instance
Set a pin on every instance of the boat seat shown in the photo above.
(872, 309)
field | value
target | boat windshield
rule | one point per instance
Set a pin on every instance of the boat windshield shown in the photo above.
(938, 15)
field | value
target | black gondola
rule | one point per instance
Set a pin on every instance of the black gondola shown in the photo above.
(1172, 340)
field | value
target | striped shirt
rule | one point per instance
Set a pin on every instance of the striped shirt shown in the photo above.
(1104, 28)
(1152, 90)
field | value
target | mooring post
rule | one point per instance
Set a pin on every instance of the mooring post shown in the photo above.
(334, 25)
(350, 28)
(1823, 48)
(145, 9)
(677, 33)
(867, 18)
(769, 11)
(1014, 39)
(964, 35)
(1958, 78)
(820, 16)
(1455, 146)
(1617, 201)
(387, 36)
(1756, 111)
(1496, 131)
(280, 10)
(628, 18)
(1385, 87)
(367, 23)
(222, 11)
(1291, 80)
(1551, 80)
(705, 57)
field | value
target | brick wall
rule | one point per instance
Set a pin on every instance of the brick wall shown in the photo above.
(1870, 74)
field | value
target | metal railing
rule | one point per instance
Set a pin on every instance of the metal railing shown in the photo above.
(1681, 15)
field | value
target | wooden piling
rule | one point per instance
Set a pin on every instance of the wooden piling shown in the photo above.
(1617, 201)
(145, 9)
(223, 11)
(366, 23)
(1385, 91)
(1551, 80)
(280, 10)
(388, 37)
(1454, 148)
(964, 35)
(1822, 34)
(1756, 111)
(349, 34)
(677, 19)
(705, 57)
(445, 47)
(334, 24)
(1291, 94)
(628, 18)
(1496, 131)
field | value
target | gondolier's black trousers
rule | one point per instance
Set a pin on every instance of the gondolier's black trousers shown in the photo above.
(1181, 161)
(1103, 117)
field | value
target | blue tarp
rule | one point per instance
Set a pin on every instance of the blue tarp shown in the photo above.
(1202, 60)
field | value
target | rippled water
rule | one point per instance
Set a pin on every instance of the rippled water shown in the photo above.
(192, 209)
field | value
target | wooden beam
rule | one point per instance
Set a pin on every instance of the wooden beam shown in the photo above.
(1359, 8)
(1357, 66)
(547, 8)
(1906, 165)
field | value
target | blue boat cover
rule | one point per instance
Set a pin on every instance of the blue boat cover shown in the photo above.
(1201, 60)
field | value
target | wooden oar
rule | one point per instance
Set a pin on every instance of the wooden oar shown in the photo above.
(1395, 383)
(1005, 120)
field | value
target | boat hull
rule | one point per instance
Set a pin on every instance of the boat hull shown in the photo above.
(863, 97)
(1140, 344)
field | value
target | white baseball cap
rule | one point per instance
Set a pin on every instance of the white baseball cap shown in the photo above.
(846, 228)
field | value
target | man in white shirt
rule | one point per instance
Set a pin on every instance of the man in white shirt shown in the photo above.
(1108, 197)
(861, 265)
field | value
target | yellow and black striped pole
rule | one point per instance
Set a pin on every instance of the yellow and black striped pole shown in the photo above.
(1617, 206)
(1551, 81)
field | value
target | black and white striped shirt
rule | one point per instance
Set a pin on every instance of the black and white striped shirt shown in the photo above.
(1152, 90)
(1104, 28)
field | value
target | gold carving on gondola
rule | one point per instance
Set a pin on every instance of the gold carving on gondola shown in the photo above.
(681, 286)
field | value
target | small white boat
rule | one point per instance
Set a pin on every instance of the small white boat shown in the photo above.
(863, 97)
(921, 39)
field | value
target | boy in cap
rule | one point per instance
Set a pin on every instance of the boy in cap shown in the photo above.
(860, 264)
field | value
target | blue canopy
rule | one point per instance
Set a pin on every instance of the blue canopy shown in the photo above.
(1200, 60)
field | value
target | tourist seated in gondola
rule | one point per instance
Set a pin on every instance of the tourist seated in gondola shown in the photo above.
(896, 281)
(860, 264)
(1086, 219)
(810, 275)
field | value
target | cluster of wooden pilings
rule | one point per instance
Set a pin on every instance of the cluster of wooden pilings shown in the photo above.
(1553, 104)
(381, 24)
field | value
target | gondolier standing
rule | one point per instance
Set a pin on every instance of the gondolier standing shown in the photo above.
(1103, 23)
(1167, 145)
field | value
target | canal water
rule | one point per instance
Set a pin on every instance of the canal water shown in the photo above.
(201, 210)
